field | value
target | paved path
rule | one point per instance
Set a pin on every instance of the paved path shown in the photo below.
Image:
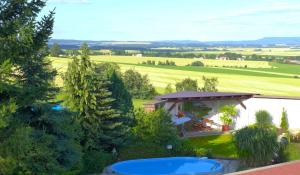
(289, 168)
(203, 133)
(230, 166)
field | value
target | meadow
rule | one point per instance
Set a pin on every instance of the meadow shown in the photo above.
(261, 77)
(270, 51)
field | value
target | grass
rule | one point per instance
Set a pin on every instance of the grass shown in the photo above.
(138, 103)
(221, 146)
(275, 80)
(181, 61)
(293, 151)
(284, 51)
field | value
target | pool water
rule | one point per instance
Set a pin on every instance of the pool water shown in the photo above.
(172, 165)
(57, 108)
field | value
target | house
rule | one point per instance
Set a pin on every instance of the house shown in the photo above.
(222, 58)
(139, 55)
(247, 104)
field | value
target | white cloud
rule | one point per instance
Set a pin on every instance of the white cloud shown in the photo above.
(273, 8)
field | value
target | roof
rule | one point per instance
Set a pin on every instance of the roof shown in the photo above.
(278, 97)
(203, 95)
(156, 102)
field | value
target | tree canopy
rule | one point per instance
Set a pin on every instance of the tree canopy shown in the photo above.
(138, 85)
(187, 84)
(55, 50)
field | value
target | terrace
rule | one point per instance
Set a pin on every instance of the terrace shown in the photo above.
(197, 113)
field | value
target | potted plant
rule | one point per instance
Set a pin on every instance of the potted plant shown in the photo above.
(228, 112)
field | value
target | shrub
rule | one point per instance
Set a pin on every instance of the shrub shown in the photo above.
(166, 63)
(256, 146)
(186, 149)
(95, 161)
(168, 89)
(155, 127)
(197, 63)
(263, 119)
(142, 150)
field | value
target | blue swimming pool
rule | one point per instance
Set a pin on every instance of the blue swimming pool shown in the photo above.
(172, 165)
(57, 108)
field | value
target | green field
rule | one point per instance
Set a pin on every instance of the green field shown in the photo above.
(182, 62)
(281, 51)
(262, 77)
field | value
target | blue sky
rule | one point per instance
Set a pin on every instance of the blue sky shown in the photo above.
(204, 20)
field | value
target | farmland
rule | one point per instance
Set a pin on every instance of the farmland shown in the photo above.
(269, 51)
(262, 77)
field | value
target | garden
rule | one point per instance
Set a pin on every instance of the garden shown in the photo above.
(257, 145)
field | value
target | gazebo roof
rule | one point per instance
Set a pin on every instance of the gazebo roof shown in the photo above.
(190, 95)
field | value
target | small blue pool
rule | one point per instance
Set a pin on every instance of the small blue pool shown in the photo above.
(57, 108)
(172, 165)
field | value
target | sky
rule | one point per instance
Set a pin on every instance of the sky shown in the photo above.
(150, 20)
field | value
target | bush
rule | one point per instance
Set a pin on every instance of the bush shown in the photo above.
(168, 89)
(166, 63)
(155, 127)
(142, 150)
(149, 62)
(96, 161)
(263, 119)
(197, 63)
(256, 146)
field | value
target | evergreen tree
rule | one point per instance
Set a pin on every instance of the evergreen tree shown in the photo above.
(284, 121)
(122, 98)
(23, 41)
(30, 139)
(7, 105)
(86, 92)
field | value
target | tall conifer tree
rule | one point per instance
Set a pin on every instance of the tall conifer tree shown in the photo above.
(86, 92)
(30, 139)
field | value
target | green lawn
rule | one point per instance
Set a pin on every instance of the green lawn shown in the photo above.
(221, 146)
(138, 103)
(293, 151)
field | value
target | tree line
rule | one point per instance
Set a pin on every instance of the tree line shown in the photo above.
(57, 51)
